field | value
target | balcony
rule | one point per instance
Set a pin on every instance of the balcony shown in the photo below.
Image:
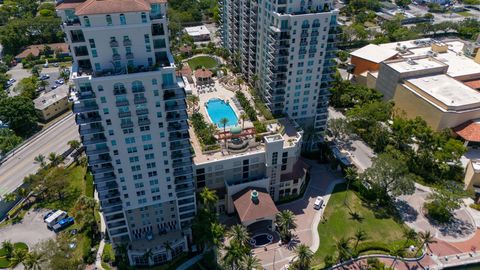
(104, 179)
(182, 172)
(116, 57)
(142, 111)
(156, 16)
(144, 122)
(124, 114)
(174, 117)
(138, 89)
(178, 136)
(84, 130)
(101, 170)
(182, 180)
(98, 161)
(82, 119)
(127, 124)
(72, 22)
(86, 95)
(110, 210)
(129, 55)
(105, 187)
(127, 42)
(113, 43)
(177, 126)
(175, 107)
(139, 100)
(179, 146)
(77, 108)
(173, 94)
(120, 103)
(181, 164)
(93, 141)
(98, 151)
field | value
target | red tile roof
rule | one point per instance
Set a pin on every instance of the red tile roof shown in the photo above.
(91, 7)
(473, 84)
(300, 168)
(470, 131)
(203, 73)
(249, 210)
(35, 50)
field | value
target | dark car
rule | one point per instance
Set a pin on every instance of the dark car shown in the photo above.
(62, 224)
(48, 214)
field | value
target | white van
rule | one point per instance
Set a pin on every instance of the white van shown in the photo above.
(55, 217)
(318, 203)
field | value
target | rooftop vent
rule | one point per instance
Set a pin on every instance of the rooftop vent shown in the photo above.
(254, 196)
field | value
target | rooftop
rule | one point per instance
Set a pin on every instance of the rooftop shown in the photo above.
(445, 92)
(252, 204)
(92, 7)
(409, 65)
(48, 98)
(35, 50)
(374, 53)
(197, 30)
(469, 131)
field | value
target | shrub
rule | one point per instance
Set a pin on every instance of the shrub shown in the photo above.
(438, 212)
(475, 206)
(249, 110)
(108, 254)
(371, 245)
(259, 127)
(203, 130)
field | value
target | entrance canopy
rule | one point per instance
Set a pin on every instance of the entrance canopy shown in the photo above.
(253, 205)
(469, 131)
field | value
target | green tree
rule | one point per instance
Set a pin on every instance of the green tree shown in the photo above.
(239, 234)
(18, 256)
(8, 140)
(20, 114)
(233, 257)
(403, 3)
(74, 144)
(426, 238)
(40, 159)
(304, 257)
(409, 235)
(54, 159)
(10, 197)
(250, 262)
(443, 202)
(243, 117)
(285, 221)
(193, 102)
(28, 87)
(398, 252)
(343, 248)
(224, 122)
(208, 198)
(36, 70)
(360, 235)
(7, 247)
(33, 260)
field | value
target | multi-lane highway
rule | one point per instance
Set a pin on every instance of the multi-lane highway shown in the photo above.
(20, 163)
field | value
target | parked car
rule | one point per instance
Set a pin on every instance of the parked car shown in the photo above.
(62, 224)
(53, 87)
(47, 215)
(44, 77)
(11, 81)
(55, 64)
(318, 203)
(60, 81)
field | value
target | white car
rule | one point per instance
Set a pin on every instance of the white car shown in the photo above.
(318, 203)
(60, 82)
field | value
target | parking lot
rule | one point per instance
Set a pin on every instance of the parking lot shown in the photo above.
(31, 230)
(18, 73)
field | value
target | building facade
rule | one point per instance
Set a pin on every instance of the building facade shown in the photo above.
(132, 119)
(285, 48)
(51, 104)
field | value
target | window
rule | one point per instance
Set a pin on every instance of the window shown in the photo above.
(130, 140)
(97, 67)
(123, 21)
(87, 21)
(109, 19)
(94, 53)
(144, 17)
(100, 88)
(146, 138)
(92, 43)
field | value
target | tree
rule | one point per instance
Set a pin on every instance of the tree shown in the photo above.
(74, 144)
(426, 238)
(56, 183)
(33, 260)
(398, 251)
(43, 84)
(10, 197)
(304, 257)
(388, 176)
(40, 159)
(36, 70)
(360, 235)
(285, 221)
(234, 254)
(403, 3)
(27, 87)
(8, 140)
(443, 202)
(339, 128)
(7, 247)
(193, 102)
(19, 112)
(148, 255)
(239, 234)
(208, 198)
(224, 122)
(54, 158)
(243, 117)
(409, 235)
(250, 262)
(18, 256)
(343, 248)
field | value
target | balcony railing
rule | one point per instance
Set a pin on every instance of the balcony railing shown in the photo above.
(77, 108)
(144, 122)
(120, 103)
(139, 100)
(126, 124)
(124, 114)
(82, 119)
(113, 43)
(142, 111)
(127, 42)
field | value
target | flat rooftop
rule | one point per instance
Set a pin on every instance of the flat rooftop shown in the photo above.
(409, 65)
(374, 53)
(48, 98)
(452, 94)
(197, 30)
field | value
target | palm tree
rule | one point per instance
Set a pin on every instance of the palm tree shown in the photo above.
(168, 246)
(285, 221)
(18, 256)
(243, 117)
(148, 255)
(224, 122)
(304, 257)
(7, 246)
(41, 160)
(33, 260)
(251, 262)
(209, 198)
(397, 251)
(74, 144)
(239, 234)
(43, 83)
(193, 101)
(409, 234)
(217, 232)
(350, 175)
(54, 158)
(360, 235)
(234, 254)
(22, 192)
(10, 197)
(343, 248)
(427, 239)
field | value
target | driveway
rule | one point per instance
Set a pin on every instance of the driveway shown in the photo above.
(17, 72)
(321, 183)
(31, 230)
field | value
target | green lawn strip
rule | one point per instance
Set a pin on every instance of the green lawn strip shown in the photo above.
(383, 231)
(202, 61)
(464, 13)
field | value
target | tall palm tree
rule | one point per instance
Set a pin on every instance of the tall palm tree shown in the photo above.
(33, 261)
(224, 122)
(427, 239)
(360, 235)
(18, 256)
(168, 246)
(304, 257)
(43, 83)
(251, 262)
(243, 117)
(148, 255)
(10, 197)
(208, 198)
(22, 192)
(409, 234)
(234, 254)
(217, 233)
(41, 160)
(74, 144)
(343, 248)
(239, 234)
(350, 175)
(54, 158)
(7, 246)
(398, 251)
(285, 221)
(193, 101)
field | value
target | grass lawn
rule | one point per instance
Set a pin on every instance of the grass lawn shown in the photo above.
(202, 61)
(339, 223)
(4, 262)
(464, 13)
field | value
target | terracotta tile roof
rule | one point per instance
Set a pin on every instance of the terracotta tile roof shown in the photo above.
(203, 73)
(91, 7)
(35, 50)
(185, 49)
(475, 84)
(70, 4)
(470, 130)
(300, 168)
(249, 210)
(185, 71)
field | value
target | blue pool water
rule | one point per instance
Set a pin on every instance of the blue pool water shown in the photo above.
(218, 109)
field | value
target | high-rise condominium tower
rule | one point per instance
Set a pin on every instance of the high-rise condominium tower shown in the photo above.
(285, 48)
(131, 115)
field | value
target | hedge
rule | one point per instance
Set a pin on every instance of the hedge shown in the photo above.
(249, 110)
(372, 245)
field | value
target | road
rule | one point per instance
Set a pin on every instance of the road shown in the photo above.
(359, 152)
(20, 164)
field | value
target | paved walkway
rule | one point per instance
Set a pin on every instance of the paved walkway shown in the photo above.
(98, 260)
(321, 183)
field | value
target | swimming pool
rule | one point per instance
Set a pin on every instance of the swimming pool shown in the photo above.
(218, 109)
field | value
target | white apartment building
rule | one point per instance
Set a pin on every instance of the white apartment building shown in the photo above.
(286, 48)
(131, 114)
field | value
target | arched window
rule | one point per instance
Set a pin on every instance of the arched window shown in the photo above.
(144, 17)
(122, 19)
(305, 24)
(316, 23)
(87, 21)
(137, 86)
(109, 20)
